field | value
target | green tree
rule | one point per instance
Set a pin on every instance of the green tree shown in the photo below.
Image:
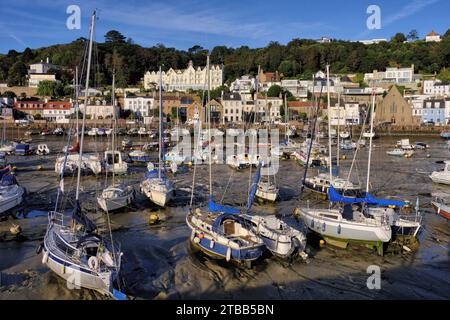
(114, 36)
(398, 38)
(50, 88)
(444, 75)
(413, 35)
(17, 74)
(274, 91)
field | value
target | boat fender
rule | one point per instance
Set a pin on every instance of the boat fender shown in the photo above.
(339, 229)
(196, 240)
(228, 257)
(39, 248)
(324, 226)
(312, 223)
(45, 257)
(201, 236)
(211, 244)
(93, 263)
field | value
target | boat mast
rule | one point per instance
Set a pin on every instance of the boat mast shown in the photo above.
(86, 100)
(113, 141)
(77, 87)
(329, 124)
(286, 114)
(160, 121)
(338, 131)
(208, 117)
(370, 139)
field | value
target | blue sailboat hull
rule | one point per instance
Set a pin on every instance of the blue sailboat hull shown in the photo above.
(220, 250)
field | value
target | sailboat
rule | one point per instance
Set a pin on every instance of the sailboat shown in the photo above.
(157, 187)
(72, 247)
(279, 238)
(219, 230)
(116, 196)
(350, 224)
(324, 181)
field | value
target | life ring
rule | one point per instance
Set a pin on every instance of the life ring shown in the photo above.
(93, 263)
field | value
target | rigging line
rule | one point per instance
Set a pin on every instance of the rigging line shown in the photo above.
(197, 143)
(312, 137)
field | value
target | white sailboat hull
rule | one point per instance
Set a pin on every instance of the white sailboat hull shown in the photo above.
(158, 191)
(10, 197)
(344, 229)
(111, 202)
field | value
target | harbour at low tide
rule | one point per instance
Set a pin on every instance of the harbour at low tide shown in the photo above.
(160, 263)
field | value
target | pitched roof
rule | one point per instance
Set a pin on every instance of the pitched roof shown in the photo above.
(432, 34)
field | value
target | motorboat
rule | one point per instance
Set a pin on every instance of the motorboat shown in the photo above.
(114, 163)
(139, 156)
(322, 182)
(11, 193)
(443, 176)
(92, 132)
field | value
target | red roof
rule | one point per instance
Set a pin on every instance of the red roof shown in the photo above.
(299, 104)
(41, 105)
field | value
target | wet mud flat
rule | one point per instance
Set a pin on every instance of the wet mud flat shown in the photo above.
(159, 262)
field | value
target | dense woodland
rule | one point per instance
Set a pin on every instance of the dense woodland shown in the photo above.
(299, 58)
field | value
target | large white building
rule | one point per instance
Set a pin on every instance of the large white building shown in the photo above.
(139, 106)
(39, 72)
(186, 79)
(232, 104)
(99, 110)
(244, 84)
(294, 87)
(435, 88)
(433, 37)
(391, 75)
(349, 114)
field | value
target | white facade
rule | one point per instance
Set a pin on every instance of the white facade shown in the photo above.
(435, 88)
(349, 114)
(232, 107)
(41, 67)
(433, 37)
(140, 106)
(183, 80)
(372, 41)
(51, 114)
(243, 84)
(35, 78)
(294, 87)
(394, 75)
(99, 110)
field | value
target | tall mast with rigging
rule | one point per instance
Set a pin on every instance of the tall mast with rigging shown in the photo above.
(86, 100)
(370, 141)
(329, 124)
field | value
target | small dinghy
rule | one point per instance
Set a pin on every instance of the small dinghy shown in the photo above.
(116, 197)
(441, 204)
(397, 152)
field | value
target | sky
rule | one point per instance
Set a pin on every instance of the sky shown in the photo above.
(183, 24)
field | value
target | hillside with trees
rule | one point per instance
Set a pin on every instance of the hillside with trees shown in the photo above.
(298, 58)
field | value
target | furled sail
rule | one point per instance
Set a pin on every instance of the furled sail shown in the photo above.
(368, 199)
(254, 187)
(215, 207)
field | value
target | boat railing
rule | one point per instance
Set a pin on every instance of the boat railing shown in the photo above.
(56, 217)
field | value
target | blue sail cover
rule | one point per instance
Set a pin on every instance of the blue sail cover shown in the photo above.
(152, 174)
(80, 217)
(214, 207)
(254, 187)
(369, 199)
